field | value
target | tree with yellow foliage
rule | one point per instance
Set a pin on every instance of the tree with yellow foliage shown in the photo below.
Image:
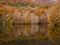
(54, 25)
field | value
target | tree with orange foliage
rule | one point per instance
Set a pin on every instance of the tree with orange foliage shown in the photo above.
(54, 25)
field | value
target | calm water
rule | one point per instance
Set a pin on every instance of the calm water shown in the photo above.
(28, 34)
(24, 29)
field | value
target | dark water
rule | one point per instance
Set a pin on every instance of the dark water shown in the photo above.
(25, 34)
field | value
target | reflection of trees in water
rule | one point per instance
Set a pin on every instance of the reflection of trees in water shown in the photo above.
(17, 31)
(29, 30)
